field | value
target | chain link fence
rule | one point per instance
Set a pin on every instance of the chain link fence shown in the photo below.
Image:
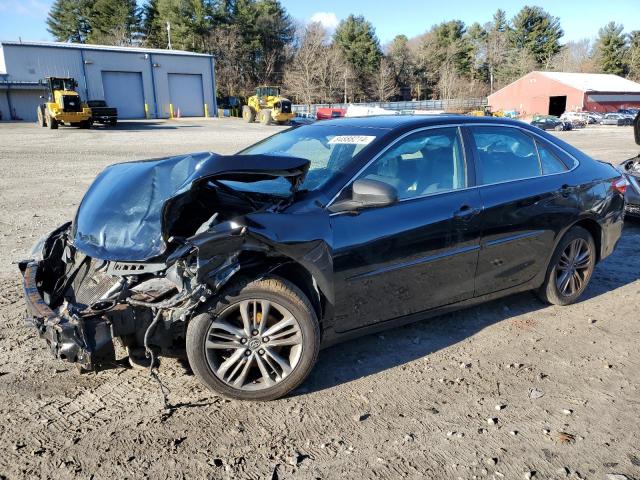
(465, 104)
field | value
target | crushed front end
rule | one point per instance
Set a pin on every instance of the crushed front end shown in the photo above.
(151, 242)
(79, 304)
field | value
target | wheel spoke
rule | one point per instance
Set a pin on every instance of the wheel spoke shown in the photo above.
(563, 281)
(577, 280)
(222, 345)
(285, 322)
(265, 306)
(268, 381)
(230, 362)
(240, 381)
(246, 321)
(284, 365)
(227, 327)
(583, 260)
(296, 339)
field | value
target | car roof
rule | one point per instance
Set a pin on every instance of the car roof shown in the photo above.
(391, 122)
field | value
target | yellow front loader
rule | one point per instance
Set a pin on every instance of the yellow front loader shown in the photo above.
(63, 105)
(267, 106)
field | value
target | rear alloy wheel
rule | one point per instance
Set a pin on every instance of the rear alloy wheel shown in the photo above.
(258, 342)
(571, 268)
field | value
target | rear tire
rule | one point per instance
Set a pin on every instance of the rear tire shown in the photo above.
(275, 365)
(248, 114)
(113, 122)
(85, 124)
(570, 268)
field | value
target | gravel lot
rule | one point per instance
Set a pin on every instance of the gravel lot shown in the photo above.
(498, 391)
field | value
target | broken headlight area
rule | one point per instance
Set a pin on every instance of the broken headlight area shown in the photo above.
(80, 305)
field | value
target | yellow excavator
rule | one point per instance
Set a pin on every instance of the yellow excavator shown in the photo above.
(267, 107)
(63, 105)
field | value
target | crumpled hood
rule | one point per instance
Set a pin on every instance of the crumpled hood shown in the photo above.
(123, 215)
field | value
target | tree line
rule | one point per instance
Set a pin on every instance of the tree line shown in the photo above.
(257, 42)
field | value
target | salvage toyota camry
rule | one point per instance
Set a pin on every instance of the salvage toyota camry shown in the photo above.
(248, 264)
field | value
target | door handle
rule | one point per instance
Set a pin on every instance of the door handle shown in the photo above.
(466, 211)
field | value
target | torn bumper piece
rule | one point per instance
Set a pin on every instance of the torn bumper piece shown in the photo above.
(87, 342)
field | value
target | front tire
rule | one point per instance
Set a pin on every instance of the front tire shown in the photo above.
(248, 114)
(259, 341)
(41, 119)
(570, 269)
(265, 116)
(52, 123)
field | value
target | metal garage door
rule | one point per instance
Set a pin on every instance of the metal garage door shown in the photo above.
(124, 91)
(185, 92)
(24, 104)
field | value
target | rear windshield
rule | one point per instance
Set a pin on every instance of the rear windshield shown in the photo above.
(330, 149)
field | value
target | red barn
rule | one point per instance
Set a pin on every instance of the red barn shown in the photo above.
(553, 93)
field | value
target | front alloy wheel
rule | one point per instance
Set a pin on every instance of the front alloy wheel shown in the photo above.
(254, 344)
(257, 343)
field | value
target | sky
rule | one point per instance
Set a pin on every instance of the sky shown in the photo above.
(580, 19)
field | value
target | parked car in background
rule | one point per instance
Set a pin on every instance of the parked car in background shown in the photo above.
(102, 113)
(249, 263)
(550, 122)
(577, 120)
(616, 119)
(632, 112)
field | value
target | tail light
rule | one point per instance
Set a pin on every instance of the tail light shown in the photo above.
(620, 185)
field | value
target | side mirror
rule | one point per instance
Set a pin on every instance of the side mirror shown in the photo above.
(42, 96)
(367, 193)
(373, 193)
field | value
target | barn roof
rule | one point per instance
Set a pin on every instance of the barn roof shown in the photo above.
(594, 82)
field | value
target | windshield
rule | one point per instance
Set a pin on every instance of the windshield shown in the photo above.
(330, 149)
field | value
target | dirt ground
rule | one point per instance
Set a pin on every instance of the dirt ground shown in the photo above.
(509, 390)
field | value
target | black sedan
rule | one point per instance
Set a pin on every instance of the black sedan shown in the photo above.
(248, 264)
(551, 123)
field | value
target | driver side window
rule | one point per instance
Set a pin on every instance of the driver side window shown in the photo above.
(423, 163)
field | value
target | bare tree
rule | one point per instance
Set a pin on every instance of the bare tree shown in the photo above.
(575, 57)
(384, 81)
(232, 72)
(318, 70)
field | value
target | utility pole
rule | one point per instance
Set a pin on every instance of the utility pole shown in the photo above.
(169, 33)
(345, 86)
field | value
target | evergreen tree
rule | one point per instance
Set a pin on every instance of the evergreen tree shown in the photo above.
(634, 55)
(356, 37)
(68, 20)
(266, 29)
(153, 30)
(610, 49)
(536, 32)
(114, 22)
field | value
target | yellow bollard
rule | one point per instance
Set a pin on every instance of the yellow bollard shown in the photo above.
(146, 111)
(171, 110)
(206, 111)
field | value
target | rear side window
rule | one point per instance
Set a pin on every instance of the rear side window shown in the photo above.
(505, 154)
(549, 161)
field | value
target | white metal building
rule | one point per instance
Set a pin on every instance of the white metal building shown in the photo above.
(139, 82)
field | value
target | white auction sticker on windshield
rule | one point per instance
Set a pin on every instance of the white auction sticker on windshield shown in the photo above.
(352, 140)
